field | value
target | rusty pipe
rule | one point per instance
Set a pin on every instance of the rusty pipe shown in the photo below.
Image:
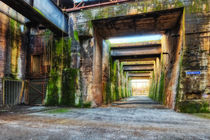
(94, 5)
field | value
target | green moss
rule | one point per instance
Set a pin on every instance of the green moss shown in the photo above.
(161, 88)
(69, 86)
(76, 36)
(59, 46)
(58, 111)
(152, 87)
(178, 94)
(114, 80)
(39, 11)
(52, 96)
(193, 107)
(83, 105)
(62, 77)
(202, 115)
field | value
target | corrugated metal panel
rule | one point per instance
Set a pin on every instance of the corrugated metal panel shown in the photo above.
(12, 91)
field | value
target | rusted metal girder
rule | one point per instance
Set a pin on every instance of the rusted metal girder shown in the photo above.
(78, 7)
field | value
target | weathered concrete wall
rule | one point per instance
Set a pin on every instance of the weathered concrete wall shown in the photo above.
(12, 49)
(195, 40)
(105, 70)
(86, 65)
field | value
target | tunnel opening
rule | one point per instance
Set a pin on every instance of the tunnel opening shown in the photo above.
(153, 53)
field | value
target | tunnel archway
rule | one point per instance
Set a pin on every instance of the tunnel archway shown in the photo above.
(165, 53)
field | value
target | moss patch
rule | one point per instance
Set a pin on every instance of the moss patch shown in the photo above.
(69, 77)
(59, 111)
(202, 115)
(194, 107)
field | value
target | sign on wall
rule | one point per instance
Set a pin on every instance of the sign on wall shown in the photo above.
(193, 72)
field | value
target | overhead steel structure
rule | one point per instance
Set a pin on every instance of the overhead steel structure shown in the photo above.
(43, 12)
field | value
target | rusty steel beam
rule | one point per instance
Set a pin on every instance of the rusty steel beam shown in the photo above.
(94, 5)
(51, 17)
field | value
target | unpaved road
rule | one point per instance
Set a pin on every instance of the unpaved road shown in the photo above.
(136, 118)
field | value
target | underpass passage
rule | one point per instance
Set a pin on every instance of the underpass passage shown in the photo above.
(138, 102)
(159, 57)
(140, 86)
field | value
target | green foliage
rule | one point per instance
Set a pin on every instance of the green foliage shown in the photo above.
(193, 107)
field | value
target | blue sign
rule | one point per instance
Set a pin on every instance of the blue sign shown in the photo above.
(193, 72)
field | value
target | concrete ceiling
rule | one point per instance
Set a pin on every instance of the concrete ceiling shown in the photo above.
(153, 22)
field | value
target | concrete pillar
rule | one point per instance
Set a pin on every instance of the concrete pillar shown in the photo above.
(97, 71)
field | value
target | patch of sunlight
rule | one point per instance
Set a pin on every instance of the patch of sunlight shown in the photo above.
(58, 111)
(202, 115)
(135, 39)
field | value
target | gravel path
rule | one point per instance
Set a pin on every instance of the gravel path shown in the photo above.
(135, 118)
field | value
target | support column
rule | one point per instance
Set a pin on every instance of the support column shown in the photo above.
(97, 71)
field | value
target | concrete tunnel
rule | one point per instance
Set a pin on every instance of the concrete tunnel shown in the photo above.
(165, 51)
(68, 46)
(104, 69)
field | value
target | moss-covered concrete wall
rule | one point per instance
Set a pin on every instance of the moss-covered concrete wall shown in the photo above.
(12, 49)
(195, 56)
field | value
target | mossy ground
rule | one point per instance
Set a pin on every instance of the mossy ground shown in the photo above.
(193, 107)
(59, 111)
(202, 115)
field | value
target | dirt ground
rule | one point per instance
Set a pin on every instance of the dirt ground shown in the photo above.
(135, 118)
